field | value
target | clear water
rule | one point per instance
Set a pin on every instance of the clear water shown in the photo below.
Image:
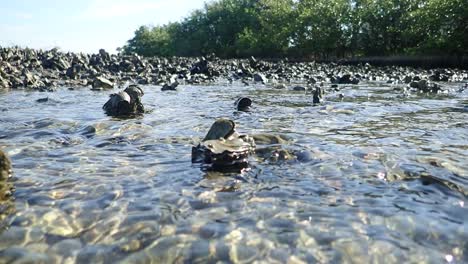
(380, 178)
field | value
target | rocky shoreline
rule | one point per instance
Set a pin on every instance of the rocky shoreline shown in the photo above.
(45, 70)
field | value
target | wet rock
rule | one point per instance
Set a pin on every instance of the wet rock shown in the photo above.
(170, 86)
(318, 95)
(42, 100)
(136, 93)
(407, 79)
(243, 104)
(253, 62)
(281, 86)
(127, 102)
(27, 68)
(200, 67)
(101, 82)
(425, 86)
(17, 254)
(269, 139)
(346, 79)
(258, 77)
(5, 166)
(299, 88)
(66, 247)
(269, 147)
(274, 154)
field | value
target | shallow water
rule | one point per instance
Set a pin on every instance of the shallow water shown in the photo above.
(379, 178)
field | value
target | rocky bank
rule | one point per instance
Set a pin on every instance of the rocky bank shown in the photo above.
(44, 70)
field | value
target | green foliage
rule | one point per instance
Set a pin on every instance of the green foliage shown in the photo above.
(148, 41)
(322, 27)
(441, 26)
(311, 29)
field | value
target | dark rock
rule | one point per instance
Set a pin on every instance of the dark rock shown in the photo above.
(407, 79)
(347, 79)
(253, 62)
(311, 80)
(27, 68)
(422, 85)
(74, 71)
(269, 148)
(200, 67)
(101, 82)
(281, 86)
(243, 104)
(170, 86)
(258, 77)
(425, 86)
(136, 93)
(127, 102)
(42, 100)
(318, 95)
(299, 88)
(414, 84)
(104, 55)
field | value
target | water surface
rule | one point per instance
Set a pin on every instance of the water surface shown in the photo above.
(380, 177)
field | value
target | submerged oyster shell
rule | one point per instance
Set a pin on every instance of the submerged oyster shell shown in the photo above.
(5, 166)
(270, 139)
(222, 145)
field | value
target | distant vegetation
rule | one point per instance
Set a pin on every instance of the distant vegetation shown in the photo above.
(311, 29)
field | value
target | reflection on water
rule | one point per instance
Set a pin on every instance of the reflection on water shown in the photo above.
(375, 177)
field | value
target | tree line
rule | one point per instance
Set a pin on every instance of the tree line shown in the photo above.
(314, 29)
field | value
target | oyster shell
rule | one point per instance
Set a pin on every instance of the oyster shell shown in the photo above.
(125, 102)
(243, 103)
(222, 128)
(222, 147)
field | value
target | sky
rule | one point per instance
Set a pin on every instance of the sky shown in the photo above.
(84, 25)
